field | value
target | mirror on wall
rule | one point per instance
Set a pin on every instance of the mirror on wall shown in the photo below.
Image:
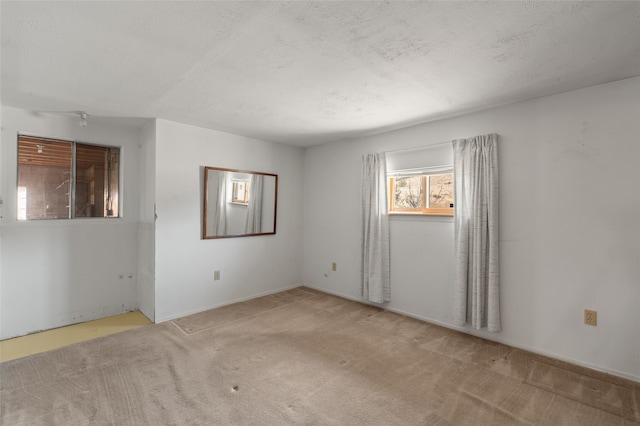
(238, 203)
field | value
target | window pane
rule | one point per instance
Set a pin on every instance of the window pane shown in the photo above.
(22, 203)
(112, 196)
(441, 191)
(48, 174)
(408, 193)
(44, 173)
(96, 181)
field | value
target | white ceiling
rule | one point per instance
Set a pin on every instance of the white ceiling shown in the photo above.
(304, 73)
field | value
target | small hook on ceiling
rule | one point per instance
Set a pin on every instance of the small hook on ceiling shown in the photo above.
(83, 118)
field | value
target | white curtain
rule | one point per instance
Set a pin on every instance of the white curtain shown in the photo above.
(477, 280)
(218, 192)
(254, 212)
(375, 229)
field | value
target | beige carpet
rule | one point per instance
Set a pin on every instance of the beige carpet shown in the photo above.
(304, 357)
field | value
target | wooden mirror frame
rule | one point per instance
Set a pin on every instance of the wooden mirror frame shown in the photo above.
(207, 233)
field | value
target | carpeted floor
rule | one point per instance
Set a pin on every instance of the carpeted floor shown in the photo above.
(304, 357)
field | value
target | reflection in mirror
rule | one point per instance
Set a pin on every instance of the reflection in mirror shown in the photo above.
(238, 203)
(240, 192)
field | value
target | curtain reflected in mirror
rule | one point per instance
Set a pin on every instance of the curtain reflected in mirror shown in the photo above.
(238, 203)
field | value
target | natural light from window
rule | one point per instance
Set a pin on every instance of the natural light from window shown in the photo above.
(423, 194)
(22, 203)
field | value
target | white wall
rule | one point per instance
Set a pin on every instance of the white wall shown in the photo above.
(2, 197)
(250, 266)
(570, 224)
(146, 226)
(59, 272)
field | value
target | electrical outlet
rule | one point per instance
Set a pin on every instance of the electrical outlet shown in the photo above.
(216, 275)
(334, 266)
(590, 317)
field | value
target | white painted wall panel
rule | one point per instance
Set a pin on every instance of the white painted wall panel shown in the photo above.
(59, 272)
(146, 226)
(249, 266)
(570, 224)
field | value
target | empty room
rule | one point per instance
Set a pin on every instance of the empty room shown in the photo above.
(319, 212)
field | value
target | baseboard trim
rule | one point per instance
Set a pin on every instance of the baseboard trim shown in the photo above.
(207, 308)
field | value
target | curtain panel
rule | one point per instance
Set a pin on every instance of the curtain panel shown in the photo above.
(217, 214)
(375, 229)
(253, 224)
(477, 279)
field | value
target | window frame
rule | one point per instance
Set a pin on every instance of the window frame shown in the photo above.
(425, 174)
(72, 179)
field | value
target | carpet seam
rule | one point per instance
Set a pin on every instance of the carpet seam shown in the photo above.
(500, 409)
(242, 318)
(570, 397)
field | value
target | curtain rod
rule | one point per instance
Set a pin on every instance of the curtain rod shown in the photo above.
(415, 148)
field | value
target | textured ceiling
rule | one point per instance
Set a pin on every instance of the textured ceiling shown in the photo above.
(307, 72)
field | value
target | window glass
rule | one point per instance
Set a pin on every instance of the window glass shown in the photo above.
(441, 191)
(22, 203)
(407, 193)
(97, 179)
(44, 173)
(50, 182)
